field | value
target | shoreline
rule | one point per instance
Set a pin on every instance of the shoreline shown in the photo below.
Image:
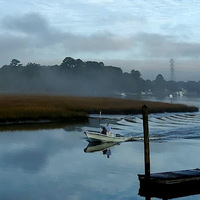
(22, 109)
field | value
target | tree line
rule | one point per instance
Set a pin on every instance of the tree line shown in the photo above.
(90, 78)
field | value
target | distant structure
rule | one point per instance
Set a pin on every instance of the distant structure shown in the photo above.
(172, 70)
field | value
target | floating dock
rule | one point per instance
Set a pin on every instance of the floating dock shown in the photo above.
(168, 185)
(165, 185)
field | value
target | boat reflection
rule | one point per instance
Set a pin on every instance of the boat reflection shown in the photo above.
(107, 152)
(104, 147)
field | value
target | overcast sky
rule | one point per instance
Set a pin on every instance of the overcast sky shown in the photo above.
(132, 34)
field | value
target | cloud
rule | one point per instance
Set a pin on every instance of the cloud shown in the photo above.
(41, 35)
(32, 157)
(11, 43)
(159, 46)
(35, 32)
(26, 160)
(31, 23)
(32, 38)
(97, 42)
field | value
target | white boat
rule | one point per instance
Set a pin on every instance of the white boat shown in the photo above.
(99, 137)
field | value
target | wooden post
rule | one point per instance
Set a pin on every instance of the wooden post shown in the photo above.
(146, 141)
(100, 119)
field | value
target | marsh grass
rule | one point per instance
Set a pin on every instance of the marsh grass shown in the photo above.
(34, 107)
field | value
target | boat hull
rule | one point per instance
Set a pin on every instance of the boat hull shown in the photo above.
(98, 137)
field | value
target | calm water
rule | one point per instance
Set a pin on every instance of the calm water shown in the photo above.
(52, 164)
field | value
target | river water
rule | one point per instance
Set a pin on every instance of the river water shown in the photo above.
(57, 163)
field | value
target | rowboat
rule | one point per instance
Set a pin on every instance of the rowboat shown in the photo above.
(99, 137)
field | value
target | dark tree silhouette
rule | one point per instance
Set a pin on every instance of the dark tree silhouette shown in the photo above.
(91, 78)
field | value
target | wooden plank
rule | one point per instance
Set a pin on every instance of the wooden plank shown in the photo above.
(175, 176)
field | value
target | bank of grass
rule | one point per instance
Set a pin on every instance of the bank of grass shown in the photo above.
(15, 108)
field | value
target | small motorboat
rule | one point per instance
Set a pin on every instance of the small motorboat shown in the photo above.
(99, 137)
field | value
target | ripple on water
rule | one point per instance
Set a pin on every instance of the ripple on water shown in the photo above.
(162, 126)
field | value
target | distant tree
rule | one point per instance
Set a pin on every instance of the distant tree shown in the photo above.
(138, 82)
(160, 79)
(68, 62)
(181, 85)
(93, 65)
(32, 65)
(79, 63)
(14, 62)
(31, 70)
(148, 86)
(115, 71)
(192, 86)
(74, 77)
(171, 86)
(102, 64)
(159, 85)
(5, 67)
(136, 74)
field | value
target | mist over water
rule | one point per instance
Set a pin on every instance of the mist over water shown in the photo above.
(90, 78)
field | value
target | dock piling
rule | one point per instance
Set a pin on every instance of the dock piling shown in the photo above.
(165, 185)
(145, 111)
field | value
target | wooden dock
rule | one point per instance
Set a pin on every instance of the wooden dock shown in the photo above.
(168, 185)
(165, 185)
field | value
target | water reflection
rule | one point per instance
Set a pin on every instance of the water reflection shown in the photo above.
(99, 146)
(51, 164)
(31, 126)
(107, 152)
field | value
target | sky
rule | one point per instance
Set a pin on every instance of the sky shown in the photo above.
(131, 34)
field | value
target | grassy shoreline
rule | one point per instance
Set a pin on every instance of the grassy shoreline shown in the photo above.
(18, 108)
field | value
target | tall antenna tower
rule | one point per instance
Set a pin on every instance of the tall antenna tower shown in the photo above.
(172, 70)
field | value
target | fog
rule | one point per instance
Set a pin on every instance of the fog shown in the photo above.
(90, 78)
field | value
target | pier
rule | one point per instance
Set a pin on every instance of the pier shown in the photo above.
(165, 185)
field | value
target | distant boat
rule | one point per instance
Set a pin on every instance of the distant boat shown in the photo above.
(123, 94)
(99, 137)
